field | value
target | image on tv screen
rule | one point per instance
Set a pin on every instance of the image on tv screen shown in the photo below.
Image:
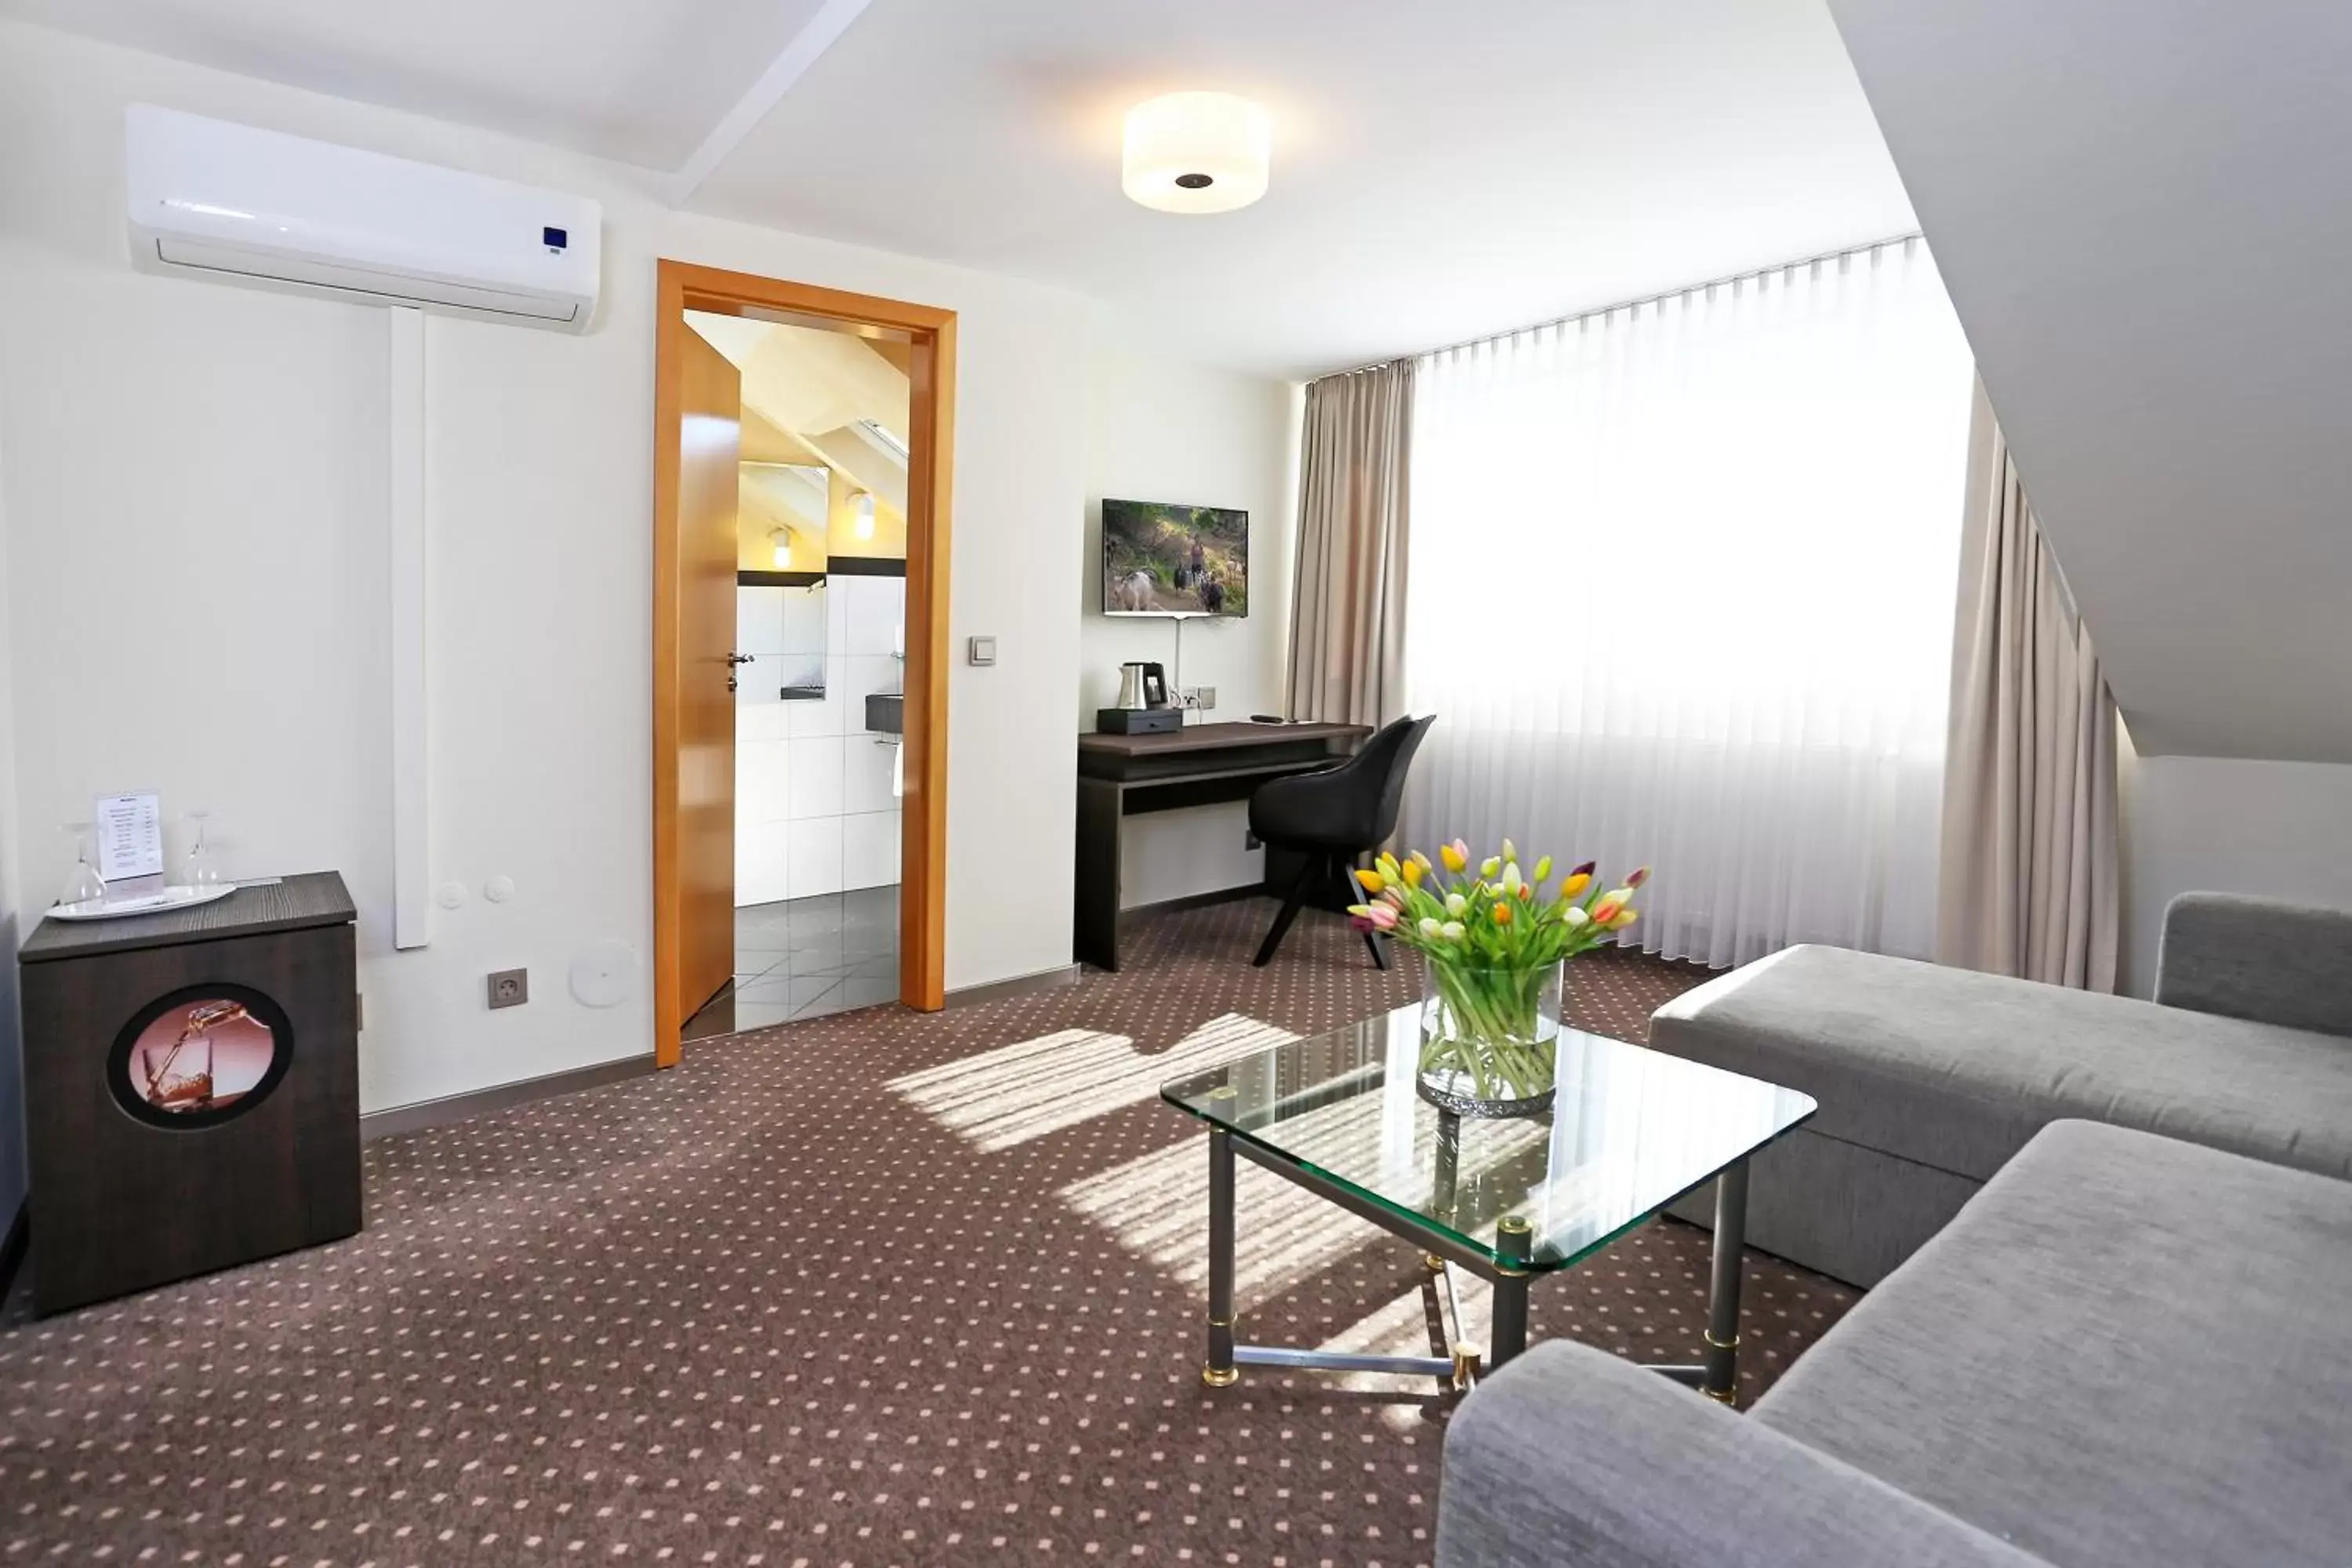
(1164, 560)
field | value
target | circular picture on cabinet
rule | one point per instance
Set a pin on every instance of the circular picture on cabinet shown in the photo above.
(200, 1056)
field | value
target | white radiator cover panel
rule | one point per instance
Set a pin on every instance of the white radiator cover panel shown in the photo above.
(208, 198)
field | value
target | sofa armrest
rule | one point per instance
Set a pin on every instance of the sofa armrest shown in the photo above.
(1571, 1456)
(2259, 958)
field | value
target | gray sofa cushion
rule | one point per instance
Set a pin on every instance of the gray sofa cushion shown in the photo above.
(1570, 1455)
(2258, 958)
(1957, 1069)
(2125, 1350)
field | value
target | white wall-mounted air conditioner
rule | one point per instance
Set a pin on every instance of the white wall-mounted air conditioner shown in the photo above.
(212, 199)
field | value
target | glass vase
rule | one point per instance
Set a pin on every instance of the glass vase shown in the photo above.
(1488, 1038)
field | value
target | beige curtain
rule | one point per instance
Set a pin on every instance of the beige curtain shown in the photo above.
(1347, 614)
(2030, 858)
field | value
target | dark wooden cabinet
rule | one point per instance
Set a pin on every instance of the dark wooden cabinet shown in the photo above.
(191, 1088)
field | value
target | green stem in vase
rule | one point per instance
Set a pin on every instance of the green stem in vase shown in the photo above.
(1491, 1027)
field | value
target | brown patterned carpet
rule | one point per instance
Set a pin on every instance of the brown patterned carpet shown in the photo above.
(868, 1289)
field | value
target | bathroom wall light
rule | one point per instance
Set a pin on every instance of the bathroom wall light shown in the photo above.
(1197, 153)
(782, 539)
(866, 514)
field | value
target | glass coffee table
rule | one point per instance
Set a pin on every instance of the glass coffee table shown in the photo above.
(1630, 1130)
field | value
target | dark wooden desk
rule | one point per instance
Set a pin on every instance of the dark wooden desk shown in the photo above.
(1121, 776)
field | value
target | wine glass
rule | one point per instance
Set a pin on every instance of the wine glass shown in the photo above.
(201, 867)
(85, 886)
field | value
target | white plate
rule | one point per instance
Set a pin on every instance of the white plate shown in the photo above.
(175, 898)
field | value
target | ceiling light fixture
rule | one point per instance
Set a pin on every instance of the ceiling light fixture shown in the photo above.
(1197, 153)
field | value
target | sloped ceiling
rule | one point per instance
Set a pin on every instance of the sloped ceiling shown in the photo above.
(1440, 172)
(637, 80)
(2144, 214)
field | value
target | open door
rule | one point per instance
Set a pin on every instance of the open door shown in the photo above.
(709, 438)
(698, 439)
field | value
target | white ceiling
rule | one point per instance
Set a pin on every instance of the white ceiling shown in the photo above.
(2143, 215)
(639, 81)
(1440, 170)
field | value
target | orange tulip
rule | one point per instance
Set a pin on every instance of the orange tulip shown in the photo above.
(1527, 891)
(1607, 910)
(1502, 914)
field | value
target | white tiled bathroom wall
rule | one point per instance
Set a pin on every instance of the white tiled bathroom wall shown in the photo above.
(816, 802)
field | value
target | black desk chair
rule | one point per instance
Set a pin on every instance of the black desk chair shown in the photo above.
(1330, 817)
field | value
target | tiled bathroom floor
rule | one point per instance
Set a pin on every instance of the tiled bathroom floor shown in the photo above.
(806, 957)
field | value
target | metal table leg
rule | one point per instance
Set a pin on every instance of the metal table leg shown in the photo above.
(1723, 1301)
(1220, 1371)
(1513, 1238)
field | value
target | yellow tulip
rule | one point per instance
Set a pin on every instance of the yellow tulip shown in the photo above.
(1575, 885)
(1372, 881)
(1413, 873)
(1453, 855)
(1490, 866)
(1386, 865)
(1625, 920)
(1543, 867)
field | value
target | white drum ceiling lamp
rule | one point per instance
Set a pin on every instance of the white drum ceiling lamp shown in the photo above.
(1197, 153)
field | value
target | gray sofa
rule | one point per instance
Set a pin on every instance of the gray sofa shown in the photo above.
(2126, 1351)
(1930, 1079)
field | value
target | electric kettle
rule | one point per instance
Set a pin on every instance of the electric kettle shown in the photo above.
(1142, 686)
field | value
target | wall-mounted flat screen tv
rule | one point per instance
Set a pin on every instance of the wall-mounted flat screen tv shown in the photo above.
(1161, 559)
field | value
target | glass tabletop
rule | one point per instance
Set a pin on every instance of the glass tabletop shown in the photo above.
(1630, 1130)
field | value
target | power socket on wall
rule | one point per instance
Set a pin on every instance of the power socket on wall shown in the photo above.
(509, 987)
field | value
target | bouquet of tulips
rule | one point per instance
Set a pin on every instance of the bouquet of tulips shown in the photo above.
(1492, 942)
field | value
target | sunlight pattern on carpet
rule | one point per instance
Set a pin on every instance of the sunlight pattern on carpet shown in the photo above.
(1008, 1096)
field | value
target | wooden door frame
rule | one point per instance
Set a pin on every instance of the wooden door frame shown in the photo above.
(931, 465)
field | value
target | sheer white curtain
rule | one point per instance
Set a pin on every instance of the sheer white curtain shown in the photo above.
(1681, 594)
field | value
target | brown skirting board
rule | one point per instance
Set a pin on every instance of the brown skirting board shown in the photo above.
(1193, 901)
(502, 1097)
(1019, 985)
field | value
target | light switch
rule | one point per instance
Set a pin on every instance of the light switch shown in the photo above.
(983, 651)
